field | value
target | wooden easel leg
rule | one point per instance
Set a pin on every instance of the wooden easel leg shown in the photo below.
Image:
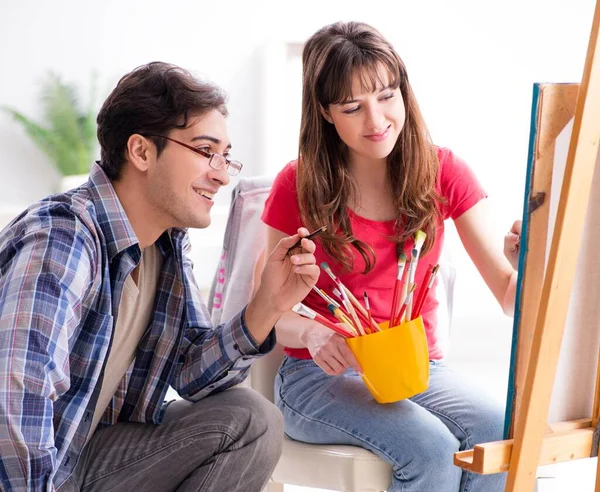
(552, 312)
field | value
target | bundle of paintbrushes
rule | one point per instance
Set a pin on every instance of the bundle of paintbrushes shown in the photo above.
(356, 318)
(406, 302)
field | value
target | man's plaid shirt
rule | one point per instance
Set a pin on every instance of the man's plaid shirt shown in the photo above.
(63, 263)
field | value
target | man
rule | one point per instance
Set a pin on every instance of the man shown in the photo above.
(100, 313)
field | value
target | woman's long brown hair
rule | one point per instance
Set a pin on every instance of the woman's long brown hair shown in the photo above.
(330, 59)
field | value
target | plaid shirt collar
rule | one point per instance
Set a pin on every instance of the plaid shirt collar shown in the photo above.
(113, 220)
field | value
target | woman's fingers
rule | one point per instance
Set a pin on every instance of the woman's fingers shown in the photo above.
(330, 365)
(349, 357)
(331, 353)
(516, 227)
(511, 241)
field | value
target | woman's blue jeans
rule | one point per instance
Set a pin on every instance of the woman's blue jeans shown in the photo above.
(417, 436)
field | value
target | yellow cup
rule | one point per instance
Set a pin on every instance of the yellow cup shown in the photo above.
(395, 361)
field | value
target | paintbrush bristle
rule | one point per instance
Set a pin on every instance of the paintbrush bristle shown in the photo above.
(420, 237)
(325, 267)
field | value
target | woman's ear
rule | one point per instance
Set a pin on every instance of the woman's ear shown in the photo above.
(326, 114)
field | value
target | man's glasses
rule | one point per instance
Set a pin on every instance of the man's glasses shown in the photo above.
(216, 161)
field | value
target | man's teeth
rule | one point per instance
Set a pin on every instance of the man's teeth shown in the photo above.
(205, 194)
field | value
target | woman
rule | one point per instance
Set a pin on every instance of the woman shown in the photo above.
(369, 171)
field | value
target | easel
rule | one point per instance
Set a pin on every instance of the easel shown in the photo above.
(532, 445)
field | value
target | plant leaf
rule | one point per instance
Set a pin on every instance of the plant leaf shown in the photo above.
(69, 135)
(43, 137)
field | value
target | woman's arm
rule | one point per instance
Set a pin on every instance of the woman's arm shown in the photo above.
(495, 268)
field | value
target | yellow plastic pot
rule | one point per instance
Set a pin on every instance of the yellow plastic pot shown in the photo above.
(395, 361)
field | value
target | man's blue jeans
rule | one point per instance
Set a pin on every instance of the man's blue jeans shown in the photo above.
(417, 436)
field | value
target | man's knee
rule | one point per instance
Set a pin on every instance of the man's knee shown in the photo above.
(264, 417)
(256, 419)
(259, 429)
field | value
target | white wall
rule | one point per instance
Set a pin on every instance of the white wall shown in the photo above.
(472, 65)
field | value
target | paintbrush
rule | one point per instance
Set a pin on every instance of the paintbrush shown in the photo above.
(348, 293)
(405, 305)
(424, 291)
(325, 297)
(310, 236)
(397, 288)
(420, 237)
(368, 308)
(342, 318)
(361, 317)
(306, 312)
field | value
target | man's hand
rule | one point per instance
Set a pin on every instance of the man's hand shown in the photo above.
(511, 244)
(285, 281)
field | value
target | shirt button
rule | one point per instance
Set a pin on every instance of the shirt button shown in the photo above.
(236, 347)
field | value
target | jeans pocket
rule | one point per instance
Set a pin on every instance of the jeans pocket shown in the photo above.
(291, 365)
(293, 374)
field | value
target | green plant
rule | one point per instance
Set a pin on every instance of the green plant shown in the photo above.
(68, 135)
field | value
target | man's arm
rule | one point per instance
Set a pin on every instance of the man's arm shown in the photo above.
(216, 359)
(213, 358)
(44, 275)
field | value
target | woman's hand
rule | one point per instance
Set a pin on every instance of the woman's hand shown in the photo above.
(511, 244)
(330, 350)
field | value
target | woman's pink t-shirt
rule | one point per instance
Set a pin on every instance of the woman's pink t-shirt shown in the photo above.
(456, 182)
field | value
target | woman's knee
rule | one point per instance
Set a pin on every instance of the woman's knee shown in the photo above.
(424, 461)
(487, 424)
(438, 447)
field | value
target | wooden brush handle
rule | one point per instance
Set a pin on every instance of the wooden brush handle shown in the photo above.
(359, 306)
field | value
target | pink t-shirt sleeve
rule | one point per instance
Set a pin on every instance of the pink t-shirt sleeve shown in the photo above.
(458, 184)
(281, 208)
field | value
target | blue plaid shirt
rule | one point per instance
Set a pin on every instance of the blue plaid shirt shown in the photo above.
(63, 263)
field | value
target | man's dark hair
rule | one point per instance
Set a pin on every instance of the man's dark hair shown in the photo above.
(152, 99)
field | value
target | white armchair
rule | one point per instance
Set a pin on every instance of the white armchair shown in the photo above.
(344, 468)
